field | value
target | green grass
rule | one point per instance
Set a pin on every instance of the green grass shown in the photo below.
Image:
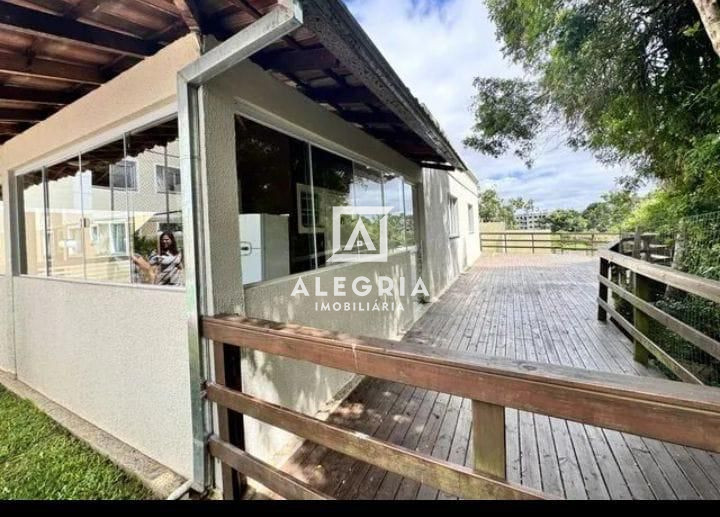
(41, 460)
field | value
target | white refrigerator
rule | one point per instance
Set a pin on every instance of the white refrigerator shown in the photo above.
(264, 247)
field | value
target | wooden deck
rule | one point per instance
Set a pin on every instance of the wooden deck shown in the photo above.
(541, 308)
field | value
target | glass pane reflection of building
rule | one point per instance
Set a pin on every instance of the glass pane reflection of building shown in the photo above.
(112, 214)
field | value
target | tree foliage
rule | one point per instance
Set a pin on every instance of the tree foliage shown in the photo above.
(634, 81)
(493, 208)
(566, 221)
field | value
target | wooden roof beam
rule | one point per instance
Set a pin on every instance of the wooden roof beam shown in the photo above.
(191, 15)
(367, 117)
(21, 65)
(351, 95)
(38, 23)
(298, 60)
(51, 98)
(21, 115)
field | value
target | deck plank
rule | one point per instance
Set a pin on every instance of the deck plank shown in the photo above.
(540, 308)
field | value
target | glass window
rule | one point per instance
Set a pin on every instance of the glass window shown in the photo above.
(167, 180)
(154, 235)
(288, 190)
(101, 215)
(277, 208)
(332, 185)
(106, 209)
(409, 195)
(367, 191)
(32, 223)
(453, 217)
(394, 198)
(66, 252)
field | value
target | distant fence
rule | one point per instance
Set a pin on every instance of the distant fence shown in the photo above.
(545, 242)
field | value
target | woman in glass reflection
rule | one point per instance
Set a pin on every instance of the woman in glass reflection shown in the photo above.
(164, 266)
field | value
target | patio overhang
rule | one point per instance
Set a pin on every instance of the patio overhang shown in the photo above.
(53, 52)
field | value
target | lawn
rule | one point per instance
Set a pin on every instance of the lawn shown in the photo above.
(40, 460)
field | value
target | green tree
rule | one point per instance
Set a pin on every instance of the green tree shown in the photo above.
(566, 221)
(636, 82)
(492, 208)
(612, 212)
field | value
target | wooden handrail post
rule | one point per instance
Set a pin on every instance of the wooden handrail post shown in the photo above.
(225, 356)
(488, 438)
(604, 272)
(533, 242)
(506, 248)
(641, 321)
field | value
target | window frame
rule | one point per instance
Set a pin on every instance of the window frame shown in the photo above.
(453, 217)
(110, 175)
(158, 168)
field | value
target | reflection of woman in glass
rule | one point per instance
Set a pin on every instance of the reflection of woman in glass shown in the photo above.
(165, 266)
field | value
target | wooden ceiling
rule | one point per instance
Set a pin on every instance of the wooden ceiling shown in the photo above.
(54, 51)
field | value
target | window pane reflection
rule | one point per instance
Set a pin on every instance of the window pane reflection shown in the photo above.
(410, 190)
(65, 219)
(105, 177)
(32, 223)
(155, 231)
(112, 214)
(332, 180)
(396, 219)
(276, 204)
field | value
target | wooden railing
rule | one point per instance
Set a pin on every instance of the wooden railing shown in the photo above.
(670, 411)
(510, 241)
(645, 313)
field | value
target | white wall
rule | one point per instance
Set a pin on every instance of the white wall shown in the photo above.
(116, 356)
(7, 350)
(444, 256)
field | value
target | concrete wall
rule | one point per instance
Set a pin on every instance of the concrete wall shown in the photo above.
(445, 256)
(114, 355)
(303, 386)
(7, 349)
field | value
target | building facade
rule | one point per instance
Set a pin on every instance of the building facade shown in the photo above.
(242, 180)
(534, 220)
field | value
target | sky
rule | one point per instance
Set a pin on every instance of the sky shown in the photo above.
(438, 47)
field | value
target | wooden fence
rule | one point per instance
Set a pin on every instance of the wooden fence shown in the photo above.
(645, 313)
(512, 241)
(671, 411)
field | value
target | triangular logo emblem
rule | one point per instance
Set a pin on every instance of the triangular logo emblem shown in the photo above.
(360, 231)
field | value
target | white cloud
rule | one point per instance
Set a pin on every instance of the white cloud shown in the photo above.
(438, 47)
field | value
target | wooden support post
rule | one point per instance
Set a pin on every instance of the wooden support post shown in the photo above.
(637, 244)
(532, 235)
(488, 435)
(592, 244)
(506, 248)
(227, 374)
(604, 271)
(641, 321)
